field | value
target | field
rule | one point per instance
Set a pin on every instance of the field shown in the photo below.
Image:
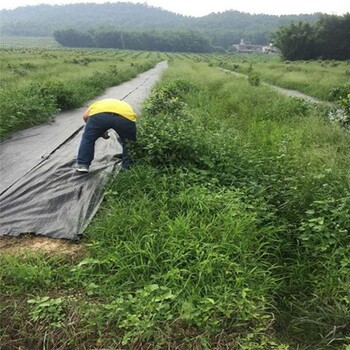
(314, 78)
(37, 83)
(28, 42)
(230, 232)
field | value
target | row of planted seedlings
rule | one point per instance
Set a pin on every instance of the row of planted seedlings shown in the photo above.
(36, 83)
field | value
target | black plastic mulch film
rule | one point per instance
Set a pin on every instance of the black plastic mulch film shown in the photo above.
(40, 191)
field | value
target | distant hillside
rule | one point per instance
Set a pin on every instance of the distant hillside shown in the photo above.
(43, 20)
(223, 28)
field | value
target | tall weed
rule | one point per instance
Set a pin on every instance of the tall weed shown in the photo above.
(267, 147)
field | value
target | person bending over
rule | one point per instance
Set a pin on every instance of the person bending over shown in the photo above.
(101, 116)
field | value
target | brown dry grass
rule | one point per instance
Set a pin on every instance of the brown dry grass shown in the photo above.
(24, 244)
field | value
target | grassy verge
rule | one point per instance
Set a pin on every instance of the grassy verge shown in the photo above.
(231, 231)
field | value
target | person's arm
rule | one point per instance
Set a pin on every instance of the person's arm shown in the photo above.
(86, 115)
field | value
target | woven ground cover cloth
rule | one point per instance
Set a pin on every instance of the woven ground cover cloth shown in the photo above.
(40, 191)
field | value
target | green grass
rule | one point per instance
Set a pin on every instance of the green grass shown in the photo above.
(28, 42)
(314, 78)
(231, 231)
(37, 83)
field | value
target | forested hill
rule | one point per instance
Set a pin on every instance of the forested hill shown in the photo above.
(44, 20)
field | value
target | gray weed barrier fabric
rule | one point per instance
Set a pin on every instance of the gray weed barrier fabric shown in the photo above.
(40, 191)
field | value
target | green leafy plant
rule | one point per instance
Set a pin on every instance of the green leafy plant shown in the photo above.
(46, 309)
(253, 79)
(326, 225)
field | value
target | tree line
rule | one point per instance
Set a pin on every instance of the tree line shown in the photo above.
(156, 40)
(223, 28)
(329, 38)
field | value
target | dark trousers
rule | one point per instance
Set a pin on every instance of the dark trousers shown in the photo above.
(96, 126)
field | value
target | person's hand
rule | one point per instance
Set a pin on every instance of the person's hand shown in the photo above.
(106, 136)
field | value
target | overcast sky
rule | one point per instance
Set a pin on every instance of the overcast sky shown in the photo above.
(203, 7)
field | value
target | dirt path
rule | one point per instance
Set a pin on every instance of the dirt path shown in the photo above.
(40, 191)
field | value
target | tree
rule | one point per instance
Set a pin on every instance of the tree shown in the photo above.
(296, 42)
(169, 41)
(74, 38)
(333, 37)
(328, 39)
